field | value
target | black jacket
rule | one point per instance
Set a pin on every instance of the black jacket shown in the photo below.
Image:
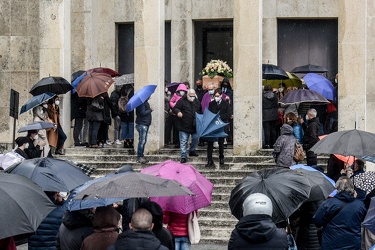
(311, 133)
(257, 232)
(188, 109)
(21, 153)
(140, 240)
(32, 151)
(143, 113)
(78, 107)
(269, 106)
(223, 107)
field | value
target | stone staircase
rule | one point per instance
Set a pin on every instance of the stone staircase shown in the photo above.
(216, 221)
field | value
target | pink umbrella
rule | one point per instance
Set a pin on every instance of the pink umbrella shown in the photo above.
(187, 176)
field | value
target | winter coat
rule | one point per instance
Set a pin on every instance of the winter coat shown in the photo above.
(177, 223)
(108, 107)
(143, 113)
(140, 240)
(45, 236)
(199, 92)
(284, 147)
(54, 117)
(129, 116)
(187, 122)
(257, 231)
(176, 96)
(74, 229)
(344, 230)
(41, 115)
(32, 151)
(165, 236)
(115, 96)
(21, 153)
(93, 114)
(311, 133)
(207, 98)
(270, 104)
(223, 107)
(105, 225)
(298, 133)
(78, 107)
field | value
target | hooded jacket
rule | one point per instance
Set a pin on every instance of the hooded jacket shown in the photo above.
(269, 106)
(284, 147)
(257, 231)
(344, 230)
(143, 114)
(140, 240)
(176, 96)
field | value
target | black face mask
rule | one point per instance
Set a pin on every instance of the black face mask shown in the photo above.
(199, 86)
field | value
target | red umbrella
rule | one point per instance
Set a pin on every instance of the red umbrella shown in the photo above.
(94, 84)
(187, 176)
(108, 71)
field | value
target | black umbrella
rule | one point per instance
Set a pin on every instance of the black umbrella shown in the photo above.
(286, 188)
(35, 126)
(303, 96)
(309, 68)
(273, 72)
(124, 80)
(353, 142)
(54, 84)
(36, 101)
(23, 205)
(50, 173)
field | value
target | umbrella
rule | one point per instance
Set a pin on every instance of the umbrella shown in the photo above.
(365, 181)
(172, 87)
(77, 81)
(36, 101)
(349, 160)
(302, 166)
(287, 190)
(272, 72)
(124, 80)
(132, 185)
(77, 74)
(189, 177)
(303, 96)
(36, 126)
(23, 205)
(293, 81)
(321, 85)
(94, 84)
(209, 125)
(89, 203)
(54, 84)
(10, 158)
(107, 71)
(309, 68)
(369, 221)
(50, 173)
(140, 97)
(347, 142)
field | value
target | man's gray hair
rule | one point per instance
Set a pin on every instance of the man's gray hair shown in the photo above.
(210, 83)
(312, 112)
(344, 184)
(191, 91)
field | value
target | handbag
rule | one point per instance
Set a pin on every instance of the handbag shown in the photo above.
(299, 154)
(193, 228)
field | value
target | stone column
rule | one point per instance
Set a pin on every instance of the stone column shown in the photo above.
(54, 50)
(247, 49)
(182, 42)
(149, 64)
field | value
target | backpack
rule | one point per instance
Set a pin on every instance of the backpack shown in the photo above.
(299, 154)
(123, 100)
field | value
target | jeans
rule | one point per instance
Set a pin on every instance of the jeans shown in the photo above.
(78, 124)
(127, 130)
(61, 138)
(182, 243)
(142, 130)
(117, 128)
(184, 139)
(93, 132)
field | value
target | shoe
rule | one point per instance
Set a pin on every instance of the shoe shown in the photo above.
(59, 152)
(118, 142)
(222, 161)
(100, 145)
(210, 164)
(95, 146)
(193, 153)
(108, 142)
(183, 160)
(142, 160)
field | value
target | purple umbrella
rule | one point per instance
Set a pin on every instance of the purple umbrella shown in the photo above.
(320, 84)
(187, 176)
(172, 87)
(303, 96)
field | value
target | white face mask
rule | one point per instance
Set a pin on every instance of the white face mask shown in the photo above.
(166, 90)
(57, 102)
(307, 117)
(335, 80)
(217, 98)
(36, 137)
(191, 98)
(27, 145)
(45, 106)
(182, 93)
(211, 91)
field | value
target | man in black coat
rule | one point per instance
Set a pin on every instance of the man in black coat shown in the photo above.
(311, 133)
(33, 151)
(269, 116)
(78, 114)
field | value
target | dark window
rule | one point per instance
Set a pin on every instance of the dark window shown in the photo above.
(167, 52)
(125, 48)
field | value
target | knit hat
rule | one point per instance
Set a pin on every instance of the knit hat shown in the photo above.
(257, 204)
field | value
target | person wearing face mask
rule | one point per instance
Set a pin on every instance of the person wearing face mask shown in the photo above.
(22, 143)
(33, 150)
(56, 136)
(199, 89)
(311, 132)
(209, 96)
(185, 110)
(222, 106)
(180, 92)
(40, 115)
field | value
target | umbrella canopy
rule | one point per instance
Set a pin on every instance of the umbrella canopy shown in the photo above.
(349, 160)
(286, 188)
(209, 125)
(107, 71)
(90, 203)
(302, 166)
(36, 101)
(132, 185)
(50, 173)
(140, 97)
(303, 96)
(53, 84)
(347, 142)
(10, 158)
(189, 177)
(272, 72)
(292, 81)
(124, 79)
(365, 181)
(93, 84)
(321, 85)
(77, 81)
(172, 87)
(369, 221)
(77, 74)
(36, 126)
(23, 205)
(309, 68)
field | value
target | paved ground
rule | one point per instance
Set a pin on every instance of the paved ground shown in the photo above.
(193, 247)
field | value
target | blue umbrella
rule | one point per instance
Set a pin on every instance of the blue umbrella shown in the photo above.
(35, 126)
(73, 204)
(209, 125)
(320, 84)
(77, 81)
(369, 221)
(140, 97)
(36, 101)
(312, 169)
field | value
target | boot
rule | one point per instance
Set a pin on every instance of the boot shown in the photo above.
(131, 141)
(126, 145)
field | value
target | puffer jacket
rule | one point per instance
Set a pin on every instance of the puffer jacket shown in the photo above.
(257, 231)
(284, 147)
(269, 106)
(176, 96)
(177, 223)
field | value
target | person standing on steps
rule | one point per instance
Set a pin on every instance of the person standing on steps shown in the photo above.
(56, 136)
(142, 124)
(269, 116)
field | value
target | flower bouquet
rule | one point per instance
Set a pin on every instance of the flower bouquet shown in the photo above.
(217, 67)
